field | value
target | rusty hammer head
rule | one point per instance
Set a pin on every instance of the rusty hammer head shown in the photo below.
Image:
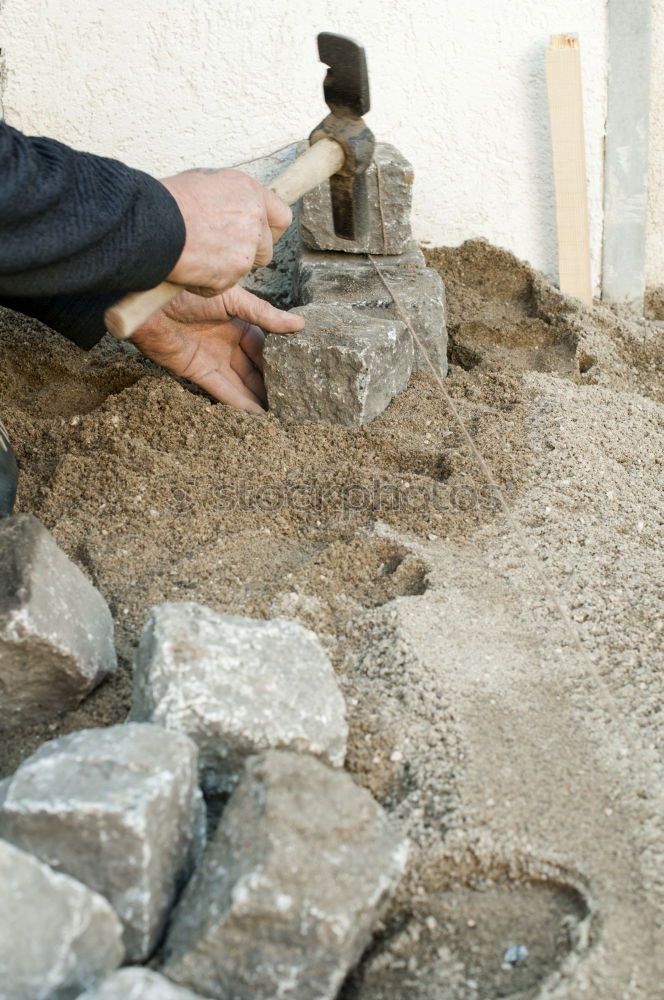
(346, 89)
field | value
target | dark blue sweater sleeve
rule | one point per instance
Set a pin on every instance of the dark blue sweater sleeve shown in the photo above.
(80, 318)
(77, 231)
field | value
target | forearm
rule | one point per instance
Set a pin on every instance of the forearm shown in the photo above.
(72, 223)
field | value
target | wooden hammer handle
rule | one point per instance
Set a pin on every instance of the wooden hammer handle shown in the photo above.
(324, 158)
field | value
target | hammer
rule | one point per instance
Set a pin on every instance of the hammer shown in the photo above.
(341, 149)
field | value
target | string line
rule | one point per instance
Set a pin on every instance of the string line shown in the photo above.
(557, 602)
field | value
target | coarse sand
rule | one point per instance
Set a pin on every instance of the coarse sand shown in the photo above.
(501, 655)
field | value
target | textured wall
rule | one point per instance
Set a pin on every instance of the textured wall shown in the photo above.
(458, 87)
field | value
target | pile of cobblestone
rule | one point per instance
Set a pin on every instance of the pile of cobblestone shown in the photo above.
(106, 857)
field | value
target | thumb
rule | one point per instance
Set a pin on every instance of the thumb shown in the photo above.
(248, 307)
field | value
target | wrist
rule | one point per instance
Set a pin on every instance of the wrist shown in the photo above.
(177, 194)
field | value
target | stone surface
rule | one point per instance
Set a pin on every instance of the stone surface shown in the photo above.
(345, 367)
(56, 631)
(390, 194)
(237, 686)
(138, 984)
(117, 808)
(276, 281)
(313, 264)
(301, 867)
(337, 278)
(56, 936)
(8, 473)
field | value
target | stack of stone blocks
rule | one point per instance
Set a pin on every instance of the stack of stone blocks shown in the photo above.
(356, 352)
(106, 855)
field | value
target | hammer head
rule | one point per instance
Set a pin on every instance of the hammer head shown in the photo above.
(346, 84)
(346, 89)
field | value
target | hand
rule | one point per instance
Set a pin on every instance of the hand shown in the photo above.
(216, 343)
(232, 222)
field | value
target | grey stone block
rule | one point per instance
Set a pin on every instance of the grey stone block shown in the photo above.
(56, 632)
(117, 808)
(301, 867)
(340, 279)
(345, 366)
(318, 265)
(56, 936)
(237, 686)
(390, 194)
(275, 282)
(138, 984)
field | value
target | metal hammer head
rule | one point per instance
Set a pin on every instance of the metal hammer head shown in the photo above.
(346, 89)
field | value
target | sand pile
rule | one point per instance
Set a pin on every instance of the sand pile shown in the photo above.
(159, 494)
(504, 702)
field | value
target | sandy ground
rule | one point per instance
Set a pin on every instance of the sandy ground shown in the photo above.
(501, 655)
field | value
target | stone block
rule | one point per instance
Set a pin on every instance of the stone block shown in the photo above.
(276, 281)
(56, 936)
(390, 194)
(340, 279)
(138, 984)
(237, 686)
(56, 631)
(301, 867)
(345, 367)
(117, 808)
(315, 266)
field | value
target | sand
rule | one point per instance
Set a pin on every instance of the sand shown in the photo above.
(502, 670)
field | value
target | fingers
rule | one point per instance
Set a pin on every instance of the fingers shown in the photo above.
(231, 223)
(236, 379)
(248, 307)
(279, 215)
(249, 374)
(265, 248)
(228, 388)
(252, 342)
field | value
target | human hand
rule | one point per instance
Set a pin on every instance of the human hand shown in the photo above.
(216, 342)
(231, 221)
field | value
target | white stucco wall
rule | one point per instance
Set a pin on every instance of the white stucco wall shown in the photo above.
(457, 85)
